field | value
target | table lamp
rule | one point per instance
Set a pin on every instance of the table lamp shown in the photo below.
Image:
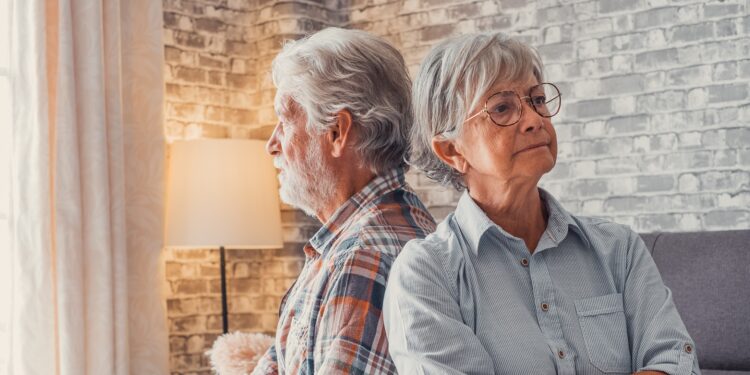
(222, 193)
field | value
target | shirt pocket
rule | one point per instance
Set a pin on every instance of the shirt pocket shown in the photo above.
(605, 332)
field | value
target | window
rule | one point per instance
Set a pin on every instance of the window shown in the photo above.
(5, 207)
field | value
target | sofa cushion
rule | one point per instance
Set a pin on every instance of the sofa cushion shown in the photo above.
(650, 239)
(723, 372)
(709, 275)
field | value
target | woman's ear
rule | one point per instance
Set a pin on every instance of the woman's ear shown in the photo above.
(339, 134)
(449, 153)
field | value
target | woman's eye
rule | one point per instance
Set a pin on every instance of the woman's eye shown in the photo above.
(500, 108)
(539, 100)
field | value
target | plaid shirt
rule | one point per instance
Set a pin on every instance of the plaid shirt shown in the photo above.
(330, 320)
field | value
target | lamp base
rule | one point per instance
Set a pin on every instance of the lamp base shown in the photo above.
(224, 309)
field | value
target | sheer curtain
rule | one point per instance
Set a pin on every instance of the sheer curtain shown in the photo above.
(87, 186)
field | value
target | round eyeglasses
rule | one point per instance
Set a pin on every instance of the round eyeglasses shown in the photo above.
(505, 108)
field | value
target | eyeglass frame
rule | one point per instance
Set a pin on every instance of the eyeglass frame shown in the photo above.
(521, 100)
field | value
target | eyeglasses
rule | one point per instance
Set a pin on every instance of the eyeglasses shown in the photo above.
(505, 108)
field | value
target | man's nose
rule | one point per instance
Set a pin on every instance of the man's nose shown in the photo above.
(272, 146)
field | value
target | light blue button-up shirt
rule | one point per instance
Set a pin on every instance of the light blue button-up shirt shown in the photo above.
(471, 299)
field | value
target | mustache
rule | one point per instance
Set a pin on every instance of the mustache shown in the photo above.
(278, 163)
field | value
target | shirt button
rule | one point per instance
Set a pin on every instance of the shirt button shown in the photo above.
(545, 307)
(561, 354)
(688, 348)
(525, 262)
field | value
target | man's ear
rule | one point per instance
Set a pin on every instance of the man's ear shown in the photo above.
(341, 134)
(449, 153)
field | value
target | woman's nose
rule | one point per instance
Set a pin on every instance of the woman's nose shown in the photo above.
(530, 120)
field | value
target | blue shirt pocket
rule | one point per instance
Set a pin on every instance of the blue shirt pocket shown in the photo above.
(605, 332)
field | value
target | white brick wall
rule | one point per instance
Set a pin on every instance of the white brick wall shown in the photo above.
(655, 127)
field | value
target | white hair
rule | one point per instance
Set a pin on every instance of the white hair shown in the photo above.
(306, 184)
(336, 69)
(452, 80)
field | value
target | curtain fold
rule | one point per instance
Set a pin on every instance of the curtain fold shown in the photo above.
(87, 172)
(31, 223)
(145, 150)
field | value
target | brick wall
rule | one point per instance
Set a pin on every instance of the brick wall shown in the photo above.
(654, 132)
(218, 55)
(256, 282)
(655, 128)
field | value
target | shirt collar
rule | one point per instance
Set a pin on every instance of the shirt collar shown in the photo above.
(347, 212)
(474, 222)
(560, 220)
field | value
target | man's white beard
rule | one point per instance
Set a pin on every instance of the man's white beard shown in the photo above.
(307, 185)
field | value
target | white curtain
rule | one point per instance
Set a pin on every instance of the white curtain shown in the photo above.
(87, 188)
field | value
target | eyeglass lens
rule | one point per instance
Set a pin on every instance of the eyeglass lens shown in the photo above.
(505, 109)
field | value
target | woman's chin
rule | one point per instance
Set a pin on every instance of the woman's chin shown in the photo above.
(539, 166)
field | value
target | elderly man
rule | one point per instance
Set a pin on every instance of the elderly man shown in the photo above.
(343, 102)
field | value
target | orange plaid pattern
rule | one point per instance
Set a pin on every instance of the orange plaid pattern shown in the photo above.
(330, 320)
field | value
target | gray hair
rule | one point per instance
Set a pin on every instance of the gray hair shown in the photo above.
(336, 69)
(452, 80)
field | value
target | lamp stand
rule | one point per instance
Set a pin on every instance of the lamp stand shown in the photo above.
(224, 309)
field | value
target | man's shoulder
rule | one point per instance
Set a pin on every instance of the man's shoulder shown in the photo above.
(387, 223)
(398, 207)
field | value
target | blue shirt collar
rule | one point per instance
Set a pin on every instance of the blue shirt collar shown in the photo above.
(560, 220)
(475, 224)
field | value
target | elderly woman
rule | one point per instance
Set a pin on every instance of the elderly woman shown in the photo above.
(511, 282)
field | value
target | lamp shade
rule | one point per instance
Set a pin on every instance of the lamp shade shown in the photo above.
(222, 192)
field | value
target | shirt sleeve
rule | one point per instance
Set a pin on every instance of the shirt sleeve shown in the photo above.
(267, 365)
(659, 339)
(350, 337)
(423, 319)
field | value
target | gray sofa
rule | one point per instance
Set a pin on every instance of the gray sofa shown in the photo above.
(709, 275)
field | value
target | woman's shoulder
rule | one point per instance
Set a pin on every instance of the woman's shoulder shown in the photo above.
(443, 235)
(440, 250)
(602, 227)
(592, 228)
(607, 237)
